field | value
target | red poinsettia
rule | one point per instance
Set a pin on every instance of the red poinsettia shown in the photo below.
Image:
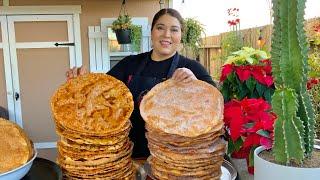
(261, 73)
(251, 120)
(249, 123)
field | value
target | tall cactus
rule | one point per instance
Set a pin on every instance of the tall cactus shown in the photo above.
(294, 128)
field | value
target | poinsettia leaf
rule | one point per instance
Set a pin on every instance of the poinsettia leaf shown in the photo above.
(251, 156)
(266, 142)
(249, 125)
(263, 133)
(254, 94)
(261, 89)
(251, 83)
(243, 91)
(250, 60)
(231, 147)
(234, 146)
(238, 144)
(231, 77)
(225, 90)
(267, 95)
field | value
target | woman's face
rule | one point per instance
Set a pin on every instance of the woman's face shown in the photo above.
(166, 36)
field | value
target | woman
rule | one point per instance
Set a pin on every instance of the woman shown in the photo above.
(143, 71)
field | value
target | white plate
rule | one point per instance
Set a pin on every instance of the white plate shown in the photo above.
(18, 172)
(227, 170)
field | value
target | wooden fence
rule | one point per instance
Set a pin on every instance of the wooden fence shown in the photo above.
(211, 52)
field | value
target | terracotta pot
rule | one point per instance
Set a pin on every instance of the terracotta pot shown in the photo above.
(265, 170)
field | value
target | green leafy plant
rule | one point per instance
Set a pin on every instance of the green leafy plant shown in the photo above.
(122, 22)
(191, 38)
(313, 86)
(314, 63)
(247, 87)
(294, 128)
(231, 42)
(136, 34)
(246, 56)
(247, 73)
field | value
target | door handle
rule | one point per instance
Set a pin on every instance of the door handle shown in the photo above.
(16, 96)
(64, 44)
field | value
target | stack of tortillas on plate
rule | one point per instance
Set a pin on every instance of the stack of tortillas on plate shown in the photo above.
(184, 122)
(15, 147)
(92, 118)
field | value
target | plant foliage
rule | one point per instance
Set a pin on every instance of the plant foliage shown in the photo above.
(294, 128)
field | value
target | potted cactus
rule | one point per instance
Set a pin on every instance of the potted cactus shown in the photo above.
(294, 127)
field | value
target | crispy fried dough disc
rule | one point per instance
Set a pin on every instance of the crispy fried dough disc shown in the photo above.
(185, 109)
(15, 149)
(92, 104)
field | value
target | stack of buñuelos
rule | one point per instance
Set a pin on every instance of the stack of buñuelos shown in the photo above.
(184, 122)
(92, 113)
(16, 148)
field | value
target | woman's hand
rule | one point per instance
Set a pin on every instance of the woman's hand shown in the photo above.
(183, 75)
(76, 71)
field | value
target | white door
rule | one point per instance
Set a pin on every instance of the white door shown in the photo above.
(6, 91)
(42, 48)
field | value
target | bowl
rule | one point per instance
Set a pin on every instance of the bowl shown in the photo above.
(19, 172)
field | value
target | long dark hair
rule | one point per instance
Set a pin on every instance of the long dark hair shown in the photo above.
(171, 12)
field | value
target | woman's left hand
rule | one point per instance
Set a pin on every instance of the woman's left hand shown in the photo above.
(183, 75)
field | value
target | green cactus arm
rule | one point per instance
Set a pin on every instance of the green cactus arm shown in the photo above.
(306, 111)
(279, 147)
(291, 66)
(276, 43)
(288, 142)
(292, 135)
(306, 114)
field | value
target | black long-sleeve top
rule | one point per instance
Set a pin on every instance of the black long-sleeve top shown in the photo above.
(158, 69)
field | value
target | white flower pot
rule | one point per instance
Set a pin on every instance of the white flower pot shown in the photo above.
(265, 170)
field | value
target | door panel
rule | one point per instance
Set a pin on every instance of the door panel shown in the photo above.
(3, 92)
(42, 31)
(38, 68)
(0, 33)
(41, 71)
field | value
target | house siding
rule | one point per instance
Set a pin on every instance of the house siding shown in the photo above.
(94, 10)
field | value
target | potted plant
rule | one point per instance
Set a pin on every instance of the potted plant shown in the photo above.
(125, 31)
(250, 124)
(294, 127)
(247, 86)
(122, 27)
(247, 73)
(191, 38)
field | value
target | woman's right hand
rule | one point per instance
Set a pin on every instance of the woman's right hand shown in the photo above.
(76, 71)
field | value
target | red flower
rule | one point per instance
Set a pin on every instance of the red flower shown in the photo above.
(243, 72)
(266, 142)
(226, 70)
(252, 140)
(250, 120)
(261, 73)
